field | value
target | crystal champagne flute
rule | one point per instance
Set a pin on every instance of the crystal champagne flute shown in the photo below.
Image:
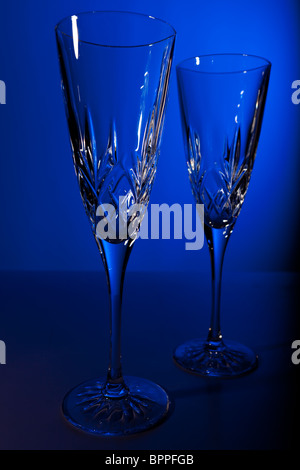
(115, 69)
(222, 99)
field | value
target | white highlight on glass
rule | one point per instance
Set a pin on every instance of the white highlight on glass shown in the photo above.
(75, 35)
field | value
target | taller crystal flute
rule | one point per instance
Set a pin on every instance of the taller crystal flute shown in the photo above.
(115, 69)
(222, 99)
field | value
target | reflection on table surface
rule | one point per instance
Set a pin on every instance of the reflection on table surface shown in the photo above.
(55, 328)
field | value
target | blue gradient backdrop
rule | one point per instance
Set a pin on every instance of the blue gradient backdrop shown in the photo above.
(43, 224)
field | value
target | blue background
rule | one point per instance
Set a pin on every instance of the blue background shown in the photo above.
(43, 224)
(55, 334)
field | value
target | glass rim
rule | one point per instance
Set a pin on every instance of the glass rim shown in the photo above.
(92, 12)
(181, 64)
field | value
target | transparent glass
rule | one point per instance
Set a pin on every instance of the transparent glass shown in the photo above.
(222, 99)
(115, 69)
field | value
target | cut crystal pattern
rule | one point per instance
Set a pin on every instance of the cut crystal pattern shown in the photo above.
(92, 400)
(120, 173)
(221, 189)
(222, 100)
(115, 69)
(220, 180)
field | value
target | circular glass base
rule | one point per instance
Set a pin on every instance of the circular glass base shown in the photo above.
(220, 359)
(88, 407)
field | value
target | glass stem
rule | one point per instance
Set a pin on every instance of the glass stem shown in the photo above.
(217, 240)
(115, 257)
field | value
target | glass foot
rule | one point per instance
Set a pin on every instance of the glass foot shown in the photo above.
(88, 407)
(220, 359)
